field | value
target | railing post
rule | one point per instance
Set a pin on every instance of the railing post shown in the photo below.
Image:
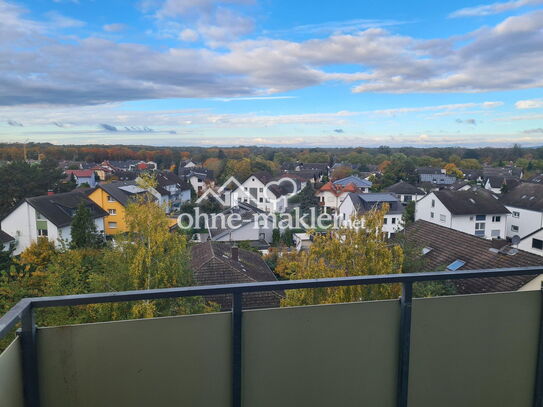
(27, 334)
(405, 343)
(538, 390)
(237, 305)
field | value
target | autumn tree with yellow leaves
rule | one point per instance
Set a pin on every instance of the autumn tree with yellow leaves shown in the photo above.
(344, 252)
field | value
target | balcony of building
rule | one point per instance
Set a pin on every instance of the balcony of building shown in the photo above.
(473, 350)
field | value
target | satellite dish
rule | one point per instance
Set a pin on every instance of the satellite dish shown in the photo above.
(515, 240)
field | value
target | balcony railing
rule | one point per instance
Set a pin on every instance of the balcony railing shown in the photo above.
(488, 332)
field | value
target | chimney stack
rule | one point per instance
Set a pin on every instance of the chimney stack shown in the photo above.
(50, 192)
(235, 253)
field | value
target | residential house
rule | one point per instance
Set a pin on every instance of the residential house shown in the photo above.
(499, 184)
(362, 185)
(512, 172)
(143, 166)
(224, 263)
(187, 164)
(302, 241)
(170, 191)
(406, 192)
(266, 193)
(532, 243)
(461, 186)
(242, 222)
(435, 182)
(81, 177)
(472, 175)
(113, 198)
(6, 240)
(477, 213)
(201, 179)
(331, 195)
(442, 248)
(358, 204)
(48, 216)
(525, 204)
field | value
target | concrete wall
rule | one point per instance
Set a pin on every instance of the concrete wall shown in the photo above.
(11, 376)
(472, 351)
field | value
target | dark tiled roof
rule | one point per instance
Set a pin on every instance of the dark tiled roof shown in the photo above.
(498, 182)
(536, 179)
(478, 202)
(168, 178)
(502, 172)
(198, 172)
(121, 195)
(212, 264)
(5, 238)
(61, 208)
(526, 196)
(366, 202)
(471, 174)
(314, 166)
(404, 188)
(449, 245)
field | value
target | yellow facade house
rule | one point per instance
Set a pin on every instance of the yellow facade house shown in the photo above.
(113, 198)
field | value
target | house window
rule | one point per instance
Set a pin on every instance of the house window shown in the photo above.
(42, 232)
(260, 199)
(260, 189)
(480, 217)
(433, 203)
(537, 244)
(479, 226)
(112, 212)
(442, 218)
(514, 228)
(516, 214)
(496, 218)
(112, 225)
(393, 221)
(432, 215)
(385, 221)
(407, 198)
(110, 198)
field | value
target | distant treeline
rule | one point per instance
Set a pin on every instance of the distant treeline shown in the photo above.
(168, 156)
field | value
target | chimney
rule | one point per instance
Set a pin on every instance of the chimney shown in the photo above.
(50, 192)
(235, 253)
(499, 243)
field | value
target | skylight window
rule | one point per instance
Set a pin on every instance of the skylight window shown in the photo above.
(426, 250)
(455, 265)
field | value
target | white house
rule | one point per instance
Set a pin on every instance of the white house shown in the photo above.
(82, 177)
(478, 213)
(171, 191)
(359, 204)
(243, 222)
(496, 184)
(266, 194)
(406, 192)
(48, 216)
(532, 243)
(331, 196)
(525, 204)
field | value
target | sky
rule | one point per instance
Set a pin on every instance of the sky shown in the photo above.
(272, 72)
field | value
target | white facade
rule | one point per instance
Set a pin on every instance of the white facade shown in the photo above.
(22, 224)
(254, 192)
(406, 198)
(431, 209)
(533, 243)
(488, 187)
(250, 231)
(392, 222)
(330, 201)
(522, 222)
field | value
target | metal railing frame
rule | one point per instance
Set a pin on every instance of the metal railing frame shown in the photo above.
(23, 312)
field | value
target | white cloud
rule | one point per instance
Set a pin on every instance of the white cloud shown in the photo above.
(494, 8)
(529, 104)
(445, 108)
(114, 28)
(188, 35)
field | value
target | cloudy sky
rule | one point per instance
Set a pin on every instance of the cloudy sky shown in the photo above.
(272, 72)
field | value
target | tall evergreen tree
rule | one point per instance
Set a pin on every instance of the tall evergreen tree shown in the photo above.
(84, 233)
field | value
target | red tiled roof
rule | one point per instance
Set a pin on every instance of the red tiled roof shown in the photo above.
(80, 173)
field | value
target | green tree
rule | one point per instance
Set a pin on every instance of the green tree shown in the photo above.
(409, 213)
(276, 237)
(84, 233)
(308, 199)
(344, 252)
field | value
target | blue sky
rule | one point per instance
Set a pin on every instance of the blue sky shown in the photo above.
(272, 72)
